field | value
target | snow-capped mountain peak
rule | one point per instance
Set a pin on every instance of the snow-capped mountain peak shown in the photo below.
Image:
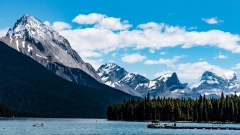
(212, 84)
(230, 76)
(47, 42)
(164, 77)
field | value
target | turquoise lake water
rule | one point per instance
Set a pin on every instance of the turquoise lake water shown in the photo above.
(23, 126)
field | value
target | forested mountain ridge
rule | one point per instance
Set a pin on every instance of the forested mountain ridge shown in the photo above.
(32, 90)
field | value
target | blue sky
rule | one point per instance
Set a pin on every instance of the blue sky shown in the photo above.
(145, 37)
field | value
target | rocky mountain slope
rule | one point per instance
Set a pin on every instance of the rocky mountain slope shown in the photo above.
(43, 44)
(137, 85)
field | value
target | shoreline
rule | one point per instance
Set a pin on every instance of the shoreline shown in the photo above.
(211, 122)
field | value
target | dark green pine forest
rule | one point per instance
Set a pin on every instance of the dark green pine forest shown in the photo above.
(223, 109)
(31, 90)
(5, 111)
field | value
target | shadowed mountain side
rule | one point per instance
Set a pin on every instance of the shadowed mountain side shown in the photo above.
(32, 90)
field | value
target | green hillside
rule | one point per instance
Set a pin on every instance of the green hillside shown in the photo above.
(32, 90)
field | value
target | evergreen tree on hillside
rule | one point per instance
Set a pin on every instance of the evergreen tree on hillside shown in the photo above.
(225, 108)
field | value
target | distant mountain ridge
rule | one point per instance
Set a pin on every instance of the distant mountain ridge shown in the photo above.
(212, 84)
(168, 85)
(138, 85)
(43, 44)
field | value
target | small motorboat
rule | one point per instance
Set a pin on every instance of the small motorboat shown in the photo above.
(154, 124)
(38, 125)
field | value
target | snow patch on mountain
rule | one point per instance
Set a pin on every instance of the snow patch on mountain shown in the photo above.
(165, 77)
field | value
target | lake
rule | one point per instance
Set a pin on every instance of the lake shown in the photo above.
(24, 126)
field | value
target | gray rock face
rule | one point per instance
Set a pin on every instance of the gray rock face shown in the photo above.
(137, 85)
(40, 42)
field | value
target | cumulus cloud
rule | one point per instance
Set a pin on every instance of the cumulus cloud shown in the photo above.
(59, 25)
(185, 71)
(3, 32)
(148, 36)
(88, 19)
(236, 67)
(221, 56)
(151, 50)
(213, 20)
(168, 62)
(133, 58)
(102, 21)
(101, 36)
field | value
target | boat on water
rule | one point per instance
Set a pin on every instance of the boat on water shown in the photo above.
(38, 125)
(154, 124)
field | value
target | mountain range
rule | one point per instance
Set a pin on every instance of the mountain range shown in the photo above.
(168, 85)
(138, 85)
(36, 45)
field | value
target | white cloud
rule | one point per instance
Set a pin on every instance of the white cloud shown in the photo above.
(95, 63)
(100, 37)
(213, 20)
(111, 23)
(151, 26)
(59, 25)
(168, 62)
(114, 54)
(147, 36)
(102, 21)
(86, 54)
(221, 56)
(163, 73)
(162, 53)
(185, 71)
(237, 66)
(192, 28)
(133, 58)
(144, 74)
(89, 19)
(47, 23)
(151, 50)
(3, 32)
(201, 59)
(111, 61)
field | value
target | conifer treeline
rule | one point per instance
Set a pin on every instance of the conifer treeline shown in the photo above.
(5, 111)
(225, 108)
